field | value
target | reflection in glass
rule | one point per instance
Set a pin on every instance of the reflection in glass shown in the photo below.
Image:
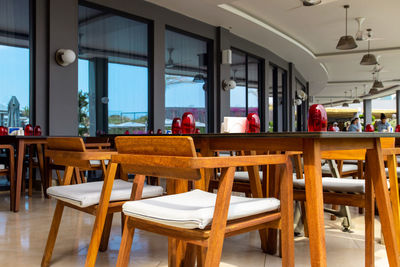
(186, 72)
(245, 71)
(14, 63)
(113, 66)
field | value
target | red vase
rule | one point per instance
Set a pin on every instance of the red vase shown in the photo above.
(397, 130)
(126, 132)
(28, 130)
(176, 126)
(370, 128)
(197, 131)
(253, 123)
(37, 131)
(3, 131)
(150, 132)
(317, 118)
(188, 123)
(159, 131)
(330, 129)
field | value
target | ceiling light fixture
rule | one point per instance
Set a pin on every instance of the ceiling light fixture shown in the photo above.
(311, 2)
(346, 42)
(356, 100)
(373, 91)
(360, 33)
(368, 59)
(345, 105)
(377, 83)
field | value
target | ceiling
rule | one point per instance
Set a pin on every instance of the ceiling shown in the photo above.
(307, 36)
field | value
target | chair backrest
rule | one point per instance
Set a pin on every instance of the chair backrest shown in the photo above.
(388, 142)
(179, 146)
(75, 144)
(182, 146)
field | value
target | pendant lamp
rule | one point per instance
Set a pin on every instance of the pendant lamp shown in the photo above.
(346, 42)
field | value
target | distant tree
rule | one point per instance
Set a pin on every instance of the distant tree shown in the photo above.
(83, 113)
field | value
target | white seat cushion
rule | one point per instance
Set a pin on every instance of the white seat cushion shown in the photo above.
(242, 176)
(88, 194)
(345, 185)
(97, 162)
(346, 168)
(194, 209)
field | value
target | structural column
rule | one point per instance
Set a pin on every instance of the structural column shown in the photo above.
(367, 111)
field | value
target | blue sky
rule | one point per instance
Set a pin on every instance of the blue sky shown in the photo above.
(14, 75)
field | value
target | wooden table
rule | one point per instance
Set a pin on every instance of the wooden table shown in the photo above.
(20, 143)
(312, 144)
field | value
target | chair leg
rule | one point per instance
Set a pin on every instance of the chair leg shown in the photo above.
(106, 233)
(190, 255)
(101, 214)
(176, 252)
(51, 240)
(126, 244)
(58, 177)
(31, 154)
(369, 224)
(201, 256)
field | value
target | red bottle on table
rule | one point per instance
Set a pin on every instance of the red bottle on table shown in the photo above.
(397, 130)
(159, 132)
(126, 132)
(3, 131)
(253, 123)
(28, 130)
(370, 128)
(37, 131)
(150, 132)
(188, 123)
(317, 118)
(176, 127)
(197, 131)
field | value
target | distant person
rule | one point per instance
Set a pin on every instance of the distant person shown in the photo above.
(335, 127)
(382, 125)
(354, 126)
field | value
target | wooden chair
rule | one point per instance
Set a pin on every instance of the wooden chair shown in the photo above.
(350, 192)
(87, 197)
(9, 171)
(176, 216)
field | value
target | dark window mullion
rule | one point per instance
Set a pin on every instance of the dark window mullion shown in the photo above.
(247, 83)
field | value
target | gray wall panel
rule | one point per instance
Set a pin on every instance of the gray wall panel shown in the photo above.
(63, 81)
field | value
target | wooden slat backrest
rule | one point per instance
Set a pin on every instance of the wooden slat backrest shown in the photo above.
(180, 146)
(388, 142)
(75, 144)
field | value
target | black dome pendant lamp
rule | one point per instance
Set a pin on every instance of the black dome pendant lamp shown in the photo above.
(346, 42)
(368, 59)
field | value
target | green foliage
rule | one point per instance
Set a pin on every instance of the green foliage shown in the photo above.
(25, 112)
(83, 113)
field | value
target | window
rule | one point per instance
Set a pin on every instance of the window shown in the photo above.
(113, 66)
(299, 109)
(279, 93)
(186, 75)
(14, 63)
(245, 71)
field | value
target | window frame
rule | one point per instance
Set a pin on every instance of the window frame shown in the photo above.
(150, 61)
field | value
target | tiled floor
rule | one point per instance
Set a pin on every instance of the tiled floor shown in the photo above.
(23, 236)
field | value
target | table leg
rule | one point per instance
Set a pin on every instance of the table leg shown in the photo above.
(314, 201)
(20, 163)
(40, 156)
(208, 173)
(376, 170)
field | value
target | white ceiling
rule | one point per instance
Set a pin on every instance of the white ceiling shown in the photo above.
(318, 28)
